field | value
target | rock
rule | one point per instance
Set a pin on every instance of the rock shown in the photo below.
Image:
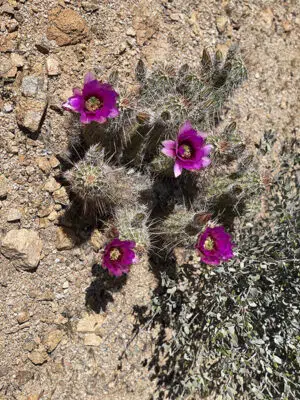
(90, 6)
(90, 323)
(12, 25)
(131, 32)
(7, 69)
(43, 46)
(13, 215)
(54, 162)
(23, 247)
(146, 22)
(38, 356)
(52, 216)
(122, 48)
(66, 27)
(3, 372)
(52, 65)
(61, 196)
(7, 9)
(33, 102)
(8, 42)
(35, 396)
(195, 23)
(222, 23)
(65, 285)
(45, 211)
(92, 340)
(65, 239)
(287, 26)
(3, 187)
(175, 17)
(29, 346)
(22, 377)
(8, 108)
(44, 164)
(52, 340)
(51, 185)
(30, 114)
(17, 60)
(33, 86)
(22, 317)
(97, 240)
(267, 17)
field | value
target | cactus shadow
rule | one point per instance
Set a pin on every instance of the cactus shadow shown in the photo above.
(78, 226)
(100, 292)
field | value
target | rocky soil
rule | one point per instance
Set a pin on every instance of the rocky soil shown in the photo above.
(65, 326)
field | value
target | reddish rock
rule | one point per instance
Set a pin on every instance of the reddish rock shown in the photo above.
(66, 27)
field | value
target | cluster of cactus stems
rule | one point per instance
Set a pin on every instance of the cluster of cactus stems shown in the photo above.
(124, 177)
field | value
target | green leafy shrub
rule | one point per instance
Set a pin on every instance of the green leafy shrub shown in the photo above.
(233, 332)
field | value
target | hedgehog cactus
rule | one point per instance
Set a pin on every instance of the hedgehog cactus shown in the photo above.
(165, 98)
(102, 186)
(132, 223)
(182, 227)
(158, 130)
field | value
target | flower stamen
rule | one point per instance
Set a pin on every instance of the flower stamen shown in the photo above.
(114, 254)
(93, 103)
(186, 151)
(209, 244)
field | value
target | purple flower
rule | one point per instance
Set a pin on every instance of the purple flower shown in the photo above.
(188, 150)
(96, 101)
(214, 245)
(118, 256)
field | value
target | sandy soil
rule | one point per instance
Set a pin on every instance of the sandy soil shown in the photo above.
(89, 317)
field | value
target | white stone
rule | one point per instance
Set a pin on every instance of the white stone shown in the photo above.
(23, 247)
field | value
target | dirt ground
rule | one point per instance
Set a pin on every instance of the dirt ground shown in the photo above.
(63, 325)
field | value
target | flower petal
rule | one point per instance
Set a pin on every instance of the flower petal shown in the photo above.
(206, 149)
(205, 161)
(168, 152)
(89, 77)
(187, 126)
(77, 92)
(169, 144)
(177, 169)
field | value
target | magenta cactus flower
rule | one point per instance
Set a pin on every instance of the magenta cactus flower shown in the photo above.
(118, 256)
(214, 245)
(188, 150)
(96, 102)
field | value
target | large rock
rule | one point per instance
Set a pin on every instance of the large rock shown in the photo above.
(30, 114)
(66, 27)
(23, 247)
(33, 102)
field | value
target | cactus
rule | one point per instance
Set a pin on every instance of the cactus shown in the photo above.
(182, 227)
(132, 223)
(165, 99)
(123, 172)
(102, 186)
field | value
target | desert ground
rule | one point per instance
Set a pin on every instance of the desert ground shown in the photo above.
(66, 332)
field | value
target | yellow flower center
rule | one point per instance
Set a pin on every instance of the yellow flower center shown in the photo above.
(186, 151)
(209, 244)
(114, 254)
(93, 103)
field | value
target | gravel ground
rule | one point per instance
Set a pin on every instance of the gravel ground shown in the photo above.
(63, 323)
